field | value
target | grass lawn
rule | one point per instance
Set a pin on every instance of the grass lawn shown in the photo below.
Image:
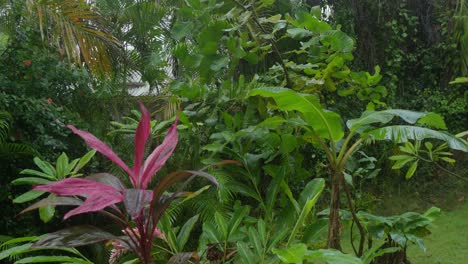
(448, 243)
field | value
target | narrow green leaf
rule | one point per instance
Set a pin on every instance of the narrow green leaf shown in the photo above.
(411, 170)
(14, 250)
(308, 198)
(401, 163)
(46, 213)
(28, 196)
(245, 253)
(30, 180)
(84, 160)
(221, 224)
(61, 165)
(49, 259)
(184, 233)
(38, 173)
(45, 166)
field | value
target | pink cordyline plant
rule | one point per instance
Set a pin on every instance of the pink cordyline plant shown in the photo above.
(103, 192)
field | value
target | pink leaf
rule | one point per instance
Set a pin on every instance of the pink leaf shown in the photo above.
(101, 147)
(96, 201)
(142, 133)
(76, 186)
(160, 155)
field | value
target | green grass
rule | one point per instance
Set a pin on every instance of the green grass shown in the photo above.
(448, 243)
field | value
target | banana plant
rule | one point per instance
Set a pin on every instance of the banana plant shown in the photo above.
(48, 173)
(324, 129)
(395, 233)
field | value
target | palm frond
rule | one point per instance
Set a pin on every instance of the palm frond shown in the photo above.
(78, 30)
(11, 150)
(5, 119)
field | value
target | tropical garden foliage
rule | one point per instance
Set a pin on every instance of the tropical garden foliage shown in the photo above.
(236, 131)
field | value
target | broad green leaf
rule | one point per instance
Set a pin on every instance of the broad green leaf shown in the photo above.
(73, 237)
(383, 117)
(30, 180)
(299, 33)
(28, 196)
(52, 259)
(338, 41)
(184, 233)
(292, 254)
(433, 120)
(310, 22)
(38, 173)
(405, 133)
(288, 143)
(84, 160)
(325, 123)
(432, 213)
(45, 166)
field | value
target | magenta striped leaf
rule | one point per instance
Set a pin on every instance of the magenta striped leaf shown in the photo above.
(96, 201)
(141, 135)
(160, 155)
(101, 147)
(98, 195)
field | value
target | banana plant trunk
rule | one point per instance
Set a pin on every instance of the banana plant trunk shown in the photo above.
(334, 224)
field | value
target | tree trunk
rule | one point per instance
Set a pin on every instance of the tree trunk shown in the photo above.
(334, 224)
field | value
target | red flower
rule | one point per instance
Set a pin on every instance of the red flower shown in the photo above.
(49, 100)
(27, 62)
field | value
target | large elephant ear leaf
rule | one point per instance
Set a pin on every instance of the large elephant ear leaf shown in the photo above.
(383, 117)
(73, 237)
(326, 124)
(402, 134)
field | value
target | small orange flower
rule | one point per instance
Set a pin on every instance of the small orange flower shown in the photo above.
(27, 62)
(49, 100)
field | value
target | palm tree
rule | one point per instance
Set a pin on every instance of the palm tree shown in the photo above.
(74, 27)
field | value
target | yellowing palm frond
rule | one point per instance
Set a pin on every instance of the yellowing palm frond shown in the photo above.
(78, 30)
